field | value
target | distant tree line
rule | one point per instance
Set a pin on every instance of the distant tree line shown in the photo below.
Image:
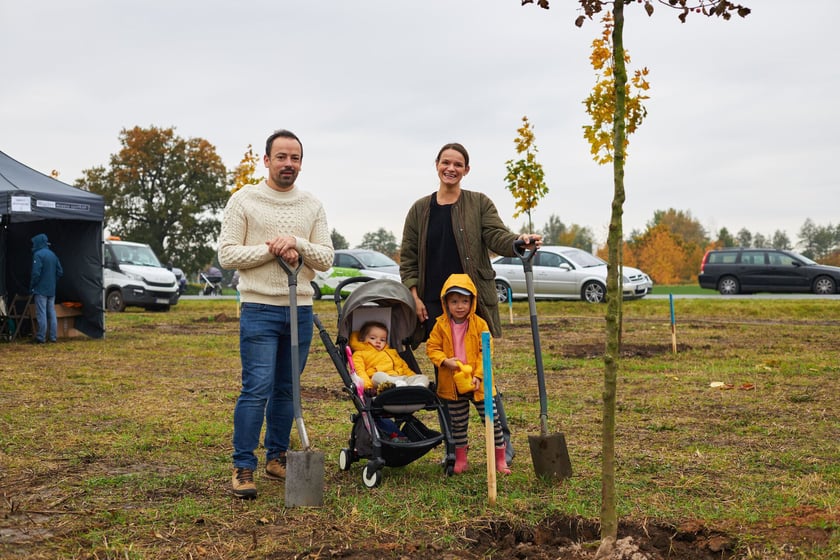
(672, 245)
(169, 192)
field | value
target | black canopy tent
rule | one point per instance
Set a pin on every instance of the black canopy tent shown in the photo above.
(32, 203)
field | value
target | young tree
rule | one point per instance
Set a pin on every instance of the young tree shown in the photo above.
(525, 177)
(381, 240)
(246, 172)
(163, 190)
(719, 8)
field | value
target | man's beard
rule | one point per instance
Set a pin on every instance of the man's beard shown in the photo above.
(285, 178)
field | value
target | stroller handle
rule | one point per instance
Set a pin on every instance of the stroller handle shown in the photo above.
(347, 282)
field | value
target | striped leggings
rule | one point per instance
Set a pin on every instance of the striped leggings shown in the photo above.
(459, 417)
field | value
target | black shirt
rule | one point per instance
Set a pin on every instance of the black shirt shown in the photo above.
(442, 258)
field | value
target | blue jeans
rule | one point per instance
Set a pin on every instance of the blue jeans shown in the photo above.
(45, 314)
(265, 348)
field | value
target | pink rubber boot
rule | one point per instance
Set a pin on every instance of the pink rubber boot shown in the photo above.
(501, 461)
(460, 459)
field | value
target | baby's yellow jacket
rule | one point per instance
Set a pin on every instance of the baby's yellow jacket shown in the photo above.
(368, 360)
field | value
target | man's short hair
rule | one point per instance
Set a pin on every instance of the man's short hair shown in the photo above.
(282, 133)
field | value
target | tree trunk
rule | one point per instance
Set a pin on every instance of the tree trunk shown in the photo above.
(609, 518)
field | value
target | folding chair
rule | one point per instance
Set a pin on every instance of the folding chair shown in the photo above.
(18, 312)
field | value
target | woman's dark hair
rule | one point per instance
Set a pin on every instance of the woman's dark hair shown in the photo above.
(281, 134)
(458, 148)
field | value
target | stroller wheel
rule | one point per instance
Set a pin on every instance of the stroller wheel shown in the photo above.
(371, 477)
(449, 464)
(345, 459)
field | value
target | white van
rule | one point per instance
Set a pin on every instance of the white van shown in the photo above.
(133, 276)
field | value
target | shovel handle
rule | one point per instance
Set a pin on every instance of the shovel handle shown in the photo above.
(526, 255)
(293, 324)
(292, 272)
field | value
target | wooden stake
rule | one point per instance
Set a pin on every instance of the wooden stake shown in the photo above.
(489, 418)
(673, 326)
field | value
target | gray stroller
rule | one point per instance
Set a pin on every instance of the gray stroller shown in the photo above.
(390, 303)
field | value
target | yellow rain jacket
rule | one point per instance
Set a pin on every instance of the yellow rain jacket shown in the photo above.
(439, 346)
(368, 360)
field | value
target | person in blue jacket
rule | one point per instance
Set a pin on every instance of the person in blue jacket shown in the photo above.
(46, 270)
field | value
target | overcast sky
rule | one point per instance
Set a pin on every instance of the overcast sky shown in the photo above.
(742, 126)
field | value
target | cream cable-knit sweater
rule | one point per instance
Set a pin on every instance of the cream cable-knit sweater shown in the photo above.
(256, 214)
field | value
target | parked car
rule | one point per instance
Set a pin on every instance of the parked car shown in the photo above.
(349, 263)
(364, 259)
(565, 273)
(133, 276)
(745, 271)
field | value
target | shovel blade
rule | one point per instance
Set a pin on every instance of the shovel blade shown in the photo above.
(550, 456)
(304, 478)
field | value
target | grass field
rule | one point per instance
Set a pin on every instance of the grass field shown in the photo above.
(120, 448)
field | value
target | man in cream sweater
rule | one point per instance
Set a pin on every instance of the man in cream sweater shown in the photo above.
(261, 223)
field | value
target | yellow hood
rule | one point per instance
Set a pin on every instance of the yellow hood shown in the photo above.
(462, 281)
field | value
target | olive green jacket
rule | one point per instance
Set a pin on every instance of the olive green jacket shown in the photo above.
(478, 230)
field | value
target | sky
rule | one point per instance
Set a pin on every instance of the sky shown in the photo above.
(742, 125)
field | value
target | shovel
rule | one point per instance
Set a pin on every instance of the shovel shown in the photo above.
(304, 469)
(548, 452)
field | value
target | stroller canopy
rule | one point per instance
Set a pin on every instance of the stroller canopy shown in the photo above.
(382, 293)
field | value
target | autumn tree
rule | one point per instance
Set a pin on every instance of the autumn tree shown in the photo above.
(660, 253)
(681, 224)
(617, 137)
(163, 190)
(380, 240)
(246, 172)
(525, 177)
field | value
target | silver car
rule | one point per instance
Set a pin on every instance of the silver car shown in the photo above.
(566, 273)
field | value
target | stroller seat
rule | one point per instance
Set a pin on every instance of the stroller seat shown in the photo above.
(391, 303)
(403, 400)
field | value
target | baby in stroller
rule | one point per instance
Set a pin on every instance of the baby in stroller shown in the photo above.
(390, 304)
(380, 366)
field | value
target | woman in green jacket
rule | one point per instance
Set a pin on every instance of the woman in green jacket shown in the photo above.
(453, 231)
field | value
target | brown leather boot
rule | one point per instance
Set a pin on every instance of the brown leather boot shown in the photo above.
(242, 484)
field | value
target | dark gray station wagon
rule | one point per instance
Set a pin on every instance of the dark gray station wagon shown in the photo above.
(744, 271)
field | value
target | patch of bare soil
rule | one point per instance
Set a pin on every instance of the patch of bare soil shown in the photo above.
(572, 538)
(218, 318)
